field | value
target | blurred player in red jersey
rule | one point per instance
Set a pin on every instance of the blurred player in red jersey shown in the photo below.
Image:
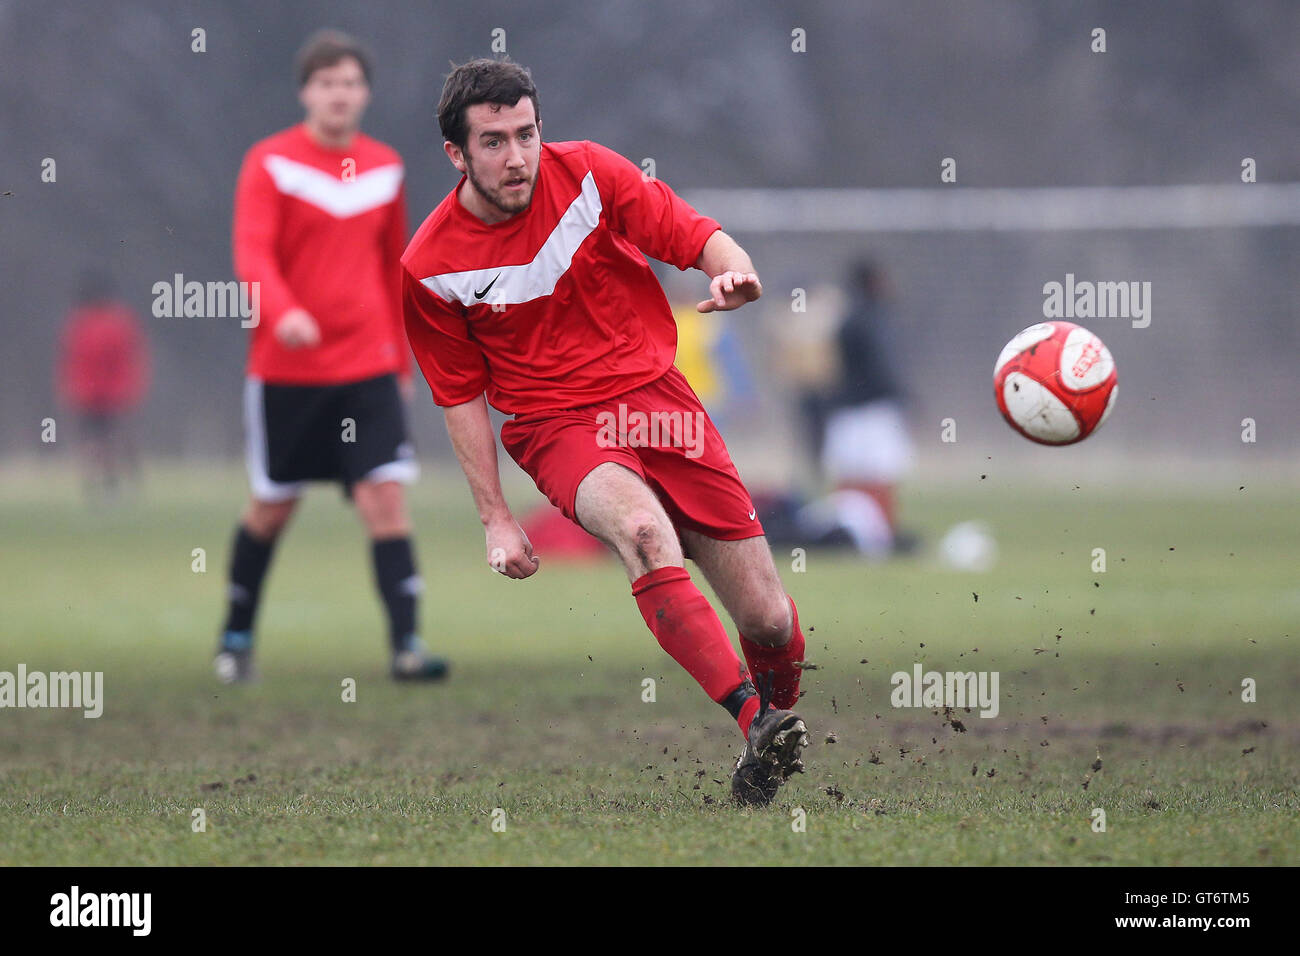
(527, 283)
(320, 223)
(103, 376)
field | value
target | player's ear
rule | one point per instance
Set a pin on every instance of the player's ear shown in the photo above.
(455, 154)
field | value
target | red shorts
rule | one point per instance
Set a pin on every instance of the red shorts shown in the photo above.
(661, 432)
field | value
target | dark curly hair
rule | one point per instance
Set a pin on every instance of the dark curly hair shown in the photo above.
(481, 80)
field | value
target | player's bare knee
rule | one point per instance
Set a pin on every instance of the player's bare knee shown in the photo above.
(266, 519)
(647, 540)
(382, 508)
(640, 530)
(767, 622)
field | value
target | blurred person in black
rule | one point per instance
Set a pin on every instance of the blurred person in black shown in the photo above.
(857, 427)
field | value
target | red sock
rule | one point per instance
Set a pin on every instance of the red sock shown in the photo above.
(884, 497)
(781, 661)
(687, 627)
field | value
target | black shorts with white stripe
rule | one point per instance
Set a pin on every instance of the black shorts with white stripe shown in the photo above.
(346, 433)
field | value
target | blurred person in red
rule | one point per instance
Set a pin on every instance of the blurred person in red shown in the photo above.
(103, 376)
(320, 224)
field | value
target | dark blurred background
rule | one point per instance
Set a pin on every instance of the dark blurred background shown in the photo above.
(148, 137)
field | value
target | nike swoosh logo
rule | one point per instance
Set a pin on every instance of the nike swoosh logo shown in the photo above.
(479, 295)
(752, 514)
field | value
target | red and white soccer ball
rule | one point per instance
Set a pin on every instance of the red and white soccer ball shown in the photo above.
(1055, 383)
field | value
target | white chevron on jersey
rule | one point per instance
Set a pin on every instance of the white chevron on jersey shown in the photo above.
(513, 285)
(341, 198)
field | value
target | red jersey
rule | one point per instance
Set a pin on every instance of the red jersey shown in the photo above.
(554, 307)
(323, 229)
(103, 359)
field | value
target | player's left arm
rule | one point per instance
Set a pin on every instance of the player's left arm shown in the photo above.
(734, 280)
(663, 225)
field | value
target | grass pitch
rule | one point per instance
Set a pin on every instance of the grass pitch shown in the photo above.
(544, 719)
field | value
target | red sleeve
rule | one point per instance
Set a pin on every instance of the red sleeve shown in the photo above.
(647, 212)
(394, 245)
(256, 229)
(450, 359)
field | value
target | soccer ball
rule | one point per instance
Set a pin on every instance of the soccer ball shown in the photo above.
(1055, 383)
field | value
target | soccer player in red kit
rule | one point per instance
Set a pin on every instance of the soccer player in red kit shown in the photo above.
(319, 226)
(526, 288)
(103, 375)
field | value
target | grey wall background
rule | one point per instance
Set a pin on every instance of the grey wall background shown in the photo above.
(148, 137)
